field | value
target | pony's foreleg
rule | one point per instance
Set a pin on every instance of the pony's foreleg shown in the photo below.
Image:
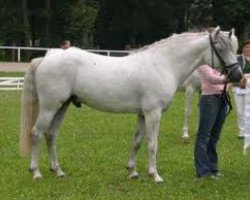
(51, 137)
(152, 120)
(188, 109)
(139, 134)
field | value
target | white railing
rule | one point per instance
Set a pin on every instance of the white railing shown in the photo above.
(11, 83)
(101, 51)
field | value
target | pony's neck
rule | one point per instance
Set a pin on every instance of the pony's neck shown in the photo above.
(183, 53)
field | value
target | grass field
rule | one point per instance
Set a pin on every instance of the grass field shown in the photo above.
(93, 151)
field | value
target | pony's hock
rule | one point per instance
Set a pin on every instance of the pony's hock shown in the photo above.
(143, 83)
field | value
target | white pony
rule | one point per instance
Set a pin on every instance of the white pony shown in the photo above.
(143, 83)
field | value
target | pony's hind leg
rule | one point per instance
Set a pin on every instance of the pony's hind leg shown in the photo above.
(139, 134)
(51, 137)
(42, 123)
(36, 135)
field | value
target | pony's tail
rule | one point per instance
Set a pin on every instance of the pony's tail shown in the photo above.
(29, 107)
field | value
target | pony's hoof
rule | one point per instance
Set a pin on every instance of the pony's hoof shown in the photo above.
(37, 176)
(57, 170)
(60, 174)
(133, 175)
(36, 173)
(156, 177)
(158, 180)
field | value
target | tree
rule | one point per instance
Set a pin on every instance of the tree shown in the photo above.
(235, 14)
(82, 22)
(12, 27)
(139, 22)
(113, 23)
(47, 25)
(200, 14)
(26, 23)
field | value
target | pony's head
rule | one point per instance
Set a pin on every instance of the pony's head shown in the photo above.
(222, 53)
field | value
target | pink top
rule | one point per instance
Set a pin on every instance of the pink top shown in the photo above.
(211, 80)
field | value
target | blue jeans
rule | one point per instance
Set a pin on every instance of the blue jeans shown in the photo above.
(213, 111)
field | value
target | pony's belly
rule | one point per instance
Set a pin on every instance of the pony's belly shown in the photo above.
(113, 107)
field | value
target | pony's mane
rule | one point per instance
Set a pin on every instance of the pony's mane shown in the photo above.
(180, 37)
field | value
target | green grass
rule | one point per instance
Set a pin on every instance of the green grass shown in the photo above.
(11, 74)
(93, 151)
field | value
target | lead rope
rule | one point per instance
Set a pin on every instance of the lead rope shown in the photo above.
(226, 98)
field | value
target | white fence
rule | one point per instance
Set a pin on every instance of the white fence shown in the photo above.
(100, 51)
(11, 83)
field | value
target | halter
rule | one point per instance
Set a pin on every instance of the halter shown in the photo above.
(226, 68)
(226, 71)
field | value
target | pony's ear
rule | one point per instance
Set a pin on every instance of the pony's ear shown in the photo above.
(232, 32)
(216, 32)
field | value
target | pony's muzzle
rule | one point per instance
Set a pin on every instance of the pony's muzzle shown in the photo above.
(235, 74)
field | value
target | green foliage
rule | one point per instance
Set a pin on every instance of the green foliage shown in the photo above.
(82, 23)
(93, 150)
(11, 26)
(13, 30)
(201, 14)
(112, 23)
(240, 10)
(233, 13)
(139, 22)
(49, 22)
